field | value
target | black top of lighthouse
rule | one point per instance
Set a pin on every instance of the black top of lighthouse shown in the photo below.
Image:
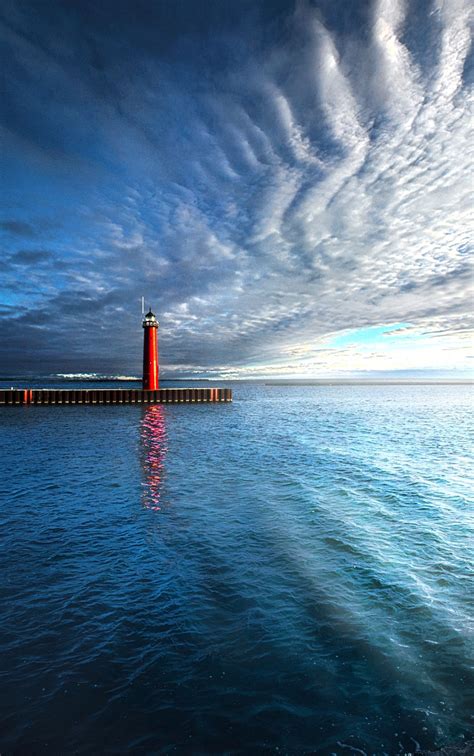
(150, 320)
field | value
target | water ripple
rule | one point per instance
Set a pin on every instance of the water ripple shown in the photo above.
(292, 571)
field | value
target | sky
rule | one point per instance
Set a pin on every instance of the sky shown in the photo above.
(288, 184)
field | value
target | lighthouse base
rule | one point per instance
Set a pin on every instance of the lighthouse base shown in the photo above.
(114, 396)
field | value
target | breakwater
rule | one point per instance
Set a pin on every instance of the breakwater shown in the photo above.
(114, 396)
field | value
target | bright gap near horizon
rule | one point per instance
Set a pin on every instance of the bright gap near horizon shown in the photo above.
(302, 210)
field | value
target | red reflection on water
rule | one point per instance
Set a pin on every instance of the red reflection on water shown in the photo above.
(154, 441)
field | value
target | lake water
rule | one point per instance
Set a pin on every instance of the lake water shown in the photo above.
(289, 573)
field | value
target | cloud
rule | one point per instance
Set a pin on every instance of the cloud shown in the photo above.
(18, 228)
(26, 257)
(266, 183)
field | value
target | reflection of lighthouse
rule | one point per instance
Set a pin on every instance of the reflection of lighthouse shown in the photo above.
(154, 445)
(150, 352)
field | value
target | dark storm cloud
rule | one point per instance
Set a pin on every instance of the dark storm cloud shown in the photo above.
(267, 174)
(29, 256)
(18, 228)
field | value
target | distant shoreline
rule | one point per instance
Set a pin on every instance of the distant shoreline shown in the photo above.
(82, 379)
(253, 381)
(349, 382)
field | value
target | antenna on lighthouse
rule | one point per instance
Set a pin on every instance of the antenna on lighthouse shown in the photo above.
(143, 305)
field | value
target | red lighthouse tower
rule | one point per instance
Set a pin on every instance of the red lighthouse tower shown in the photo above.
(150, 352)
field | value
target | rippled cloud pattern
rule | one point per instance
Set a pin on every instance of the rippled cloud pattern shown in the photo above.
(272, 176)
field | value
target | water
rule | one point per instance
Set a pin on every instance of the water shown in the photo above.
(288, 573)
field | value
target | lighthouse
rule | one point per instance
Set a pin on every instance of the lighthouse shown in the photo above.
(150, 352)
(150, 393)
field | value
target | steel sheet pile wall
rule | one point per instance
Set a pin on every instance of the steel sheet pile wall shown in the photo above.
(114, 396)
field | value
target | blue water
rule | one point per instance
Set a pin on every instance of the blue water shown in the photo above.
(290, 573)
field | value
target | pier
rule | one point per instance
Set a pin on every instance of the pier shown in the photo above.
(114, 396)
